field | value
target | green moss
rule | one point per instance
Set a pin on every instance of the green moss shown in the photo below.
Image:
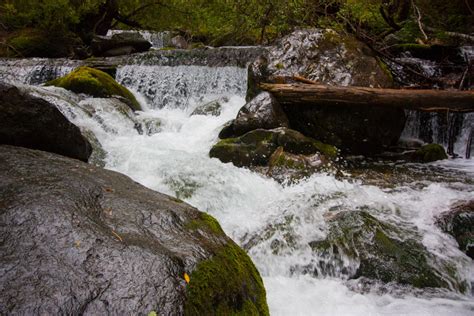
(430, 153)
(279, 66)
(95, 83)
(329, 151)
(205, 222)
(226, 284)
(385, 69)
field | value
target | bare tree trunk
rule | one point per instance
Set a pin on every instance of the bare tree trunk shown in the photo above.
(424, 100)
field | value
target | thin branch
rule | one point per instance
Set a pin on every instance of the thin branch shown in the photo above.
(420, 24)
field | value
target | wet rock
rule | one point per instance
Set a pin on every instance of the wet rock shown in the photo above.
(98, 155)
(149, 125)
(77, 239)
(179, 42)
(256, 147)
(384, 252)
(285, 167)
(263, 111)
(459, 222)
(319, 55)
(119, 44)
(95, 83)
(211, 108)
(329, 58)
(32, 122)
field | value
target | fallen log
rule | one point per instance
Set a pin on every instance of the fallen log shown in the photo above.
(422, 100)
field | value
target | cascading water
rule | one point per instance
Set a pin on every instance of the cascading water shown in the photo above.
(275, 223)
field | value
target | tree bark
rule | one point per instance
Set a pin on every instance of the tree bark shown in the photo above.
(423, 100)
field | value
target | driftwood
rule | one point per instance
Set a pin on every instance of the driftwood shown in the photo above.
(422, 100)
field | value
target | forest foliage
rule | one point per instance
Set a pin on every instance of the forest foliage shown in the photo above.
(241, 22)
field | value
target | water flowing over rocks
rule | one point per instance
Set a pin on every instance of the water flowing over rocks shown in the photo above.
(77, 239)
(459, 222)
(32, 122)
(384, 252)
(211, 108)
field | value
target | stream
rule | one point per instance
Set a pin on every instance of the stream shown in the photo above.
(274, 222)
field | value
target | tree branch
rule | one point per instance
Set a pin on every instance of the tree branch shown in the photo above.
(420, 24)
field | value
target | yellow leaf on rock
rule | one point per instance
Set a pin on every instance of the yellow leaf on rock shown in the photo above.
(186, 277)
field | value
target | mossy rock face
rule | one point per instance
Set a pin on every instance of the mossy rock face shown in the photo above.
(256, 147)
(459, 222)
(226, 284)
(95, 83)
(36, 43)
(385, 252)
(430, 153)
(334, 59)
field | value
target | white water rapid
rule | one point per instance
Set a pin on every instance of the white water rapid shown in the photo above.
(273, 222)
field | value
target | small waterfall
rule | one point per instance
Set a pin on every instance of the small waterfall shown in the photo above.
(182, 87)
(35, 71)
(452, 130)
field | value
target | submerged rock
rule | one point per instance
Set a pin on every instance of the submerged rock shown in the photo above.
(459, 222)
(263, 111)
(77, 239)
(327, 57)
(95, 83)
(256, 147)
(35, 123)
(384, 252)
(211, 108)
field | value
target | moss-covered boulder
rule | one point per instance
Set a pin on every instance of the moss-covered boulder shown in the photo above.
(429, 153)
(459, 222)
(36, 43)
(385, 252)
(256, 147)
(239, 291)
(95, 83)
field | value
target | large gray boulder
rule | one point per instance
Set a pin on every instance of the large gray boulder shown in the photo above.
(80, 240)
(263, 111)
(327, 57)
(32, 122)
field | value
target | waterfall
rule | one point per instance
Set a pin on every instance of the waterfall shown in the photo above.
(35, 71)
(183, 86)
(452, 130)
(276, 224)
